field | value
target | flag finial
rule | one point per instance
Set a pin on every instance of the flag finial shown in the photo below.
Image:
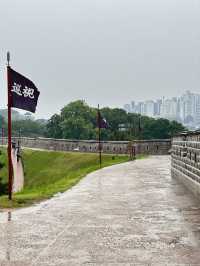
(8, 58)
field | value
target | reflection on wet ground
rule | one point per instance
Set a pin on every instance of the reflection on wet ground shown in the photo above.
(9, 216)
(129, 214)
(8, 236)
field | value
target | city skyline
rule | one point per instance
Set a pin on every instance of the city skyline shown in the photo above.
(122, 105)
(184, 108)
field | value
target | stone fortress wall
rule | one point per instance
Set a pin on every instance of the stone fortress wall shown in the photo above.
(186, 160)
(152, 147)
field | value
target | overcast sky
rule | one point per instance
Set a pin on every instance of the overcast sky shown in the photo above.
(103, 51)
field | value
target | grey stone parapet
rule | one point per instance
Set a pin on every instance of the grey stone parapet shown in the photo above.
(185, 160)
(152, 147)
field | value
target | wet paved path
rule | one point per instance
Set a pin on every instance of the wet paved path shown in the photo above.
(129, 214)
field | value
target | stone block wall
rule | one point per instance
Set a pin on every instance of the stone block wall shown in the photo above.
(152, 147)
(156, 147)
(185, 163)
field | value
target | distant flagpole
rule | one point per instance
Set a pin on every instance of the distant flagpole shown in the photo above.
(10, 174)
(99, 136)
(139, 127)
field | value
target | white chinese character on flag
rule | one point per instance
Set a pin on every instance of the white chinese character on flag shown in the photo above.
(28, 92)
(17, 89)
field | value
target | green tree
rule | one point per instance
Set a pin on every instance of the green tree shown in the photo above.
(79, 121)
(78, 109)
(53, 127)
(28, 128)
(176, 128)
(77, 128)
(115, 118)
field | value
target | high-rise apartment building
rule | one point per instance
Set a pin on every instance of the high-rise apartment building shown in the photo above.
(184, 109)
(197, 110)
(150, 108)
(127, 108)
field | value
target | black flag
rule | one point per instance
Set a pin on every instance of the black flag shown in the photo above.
(24, 94)
(102, 123)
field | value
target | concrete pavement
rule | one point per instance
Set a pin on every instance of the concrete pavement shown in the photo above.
(128, 214)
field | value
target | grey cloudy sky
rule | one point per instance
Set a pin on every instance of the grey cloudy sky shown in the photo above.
(104, 51)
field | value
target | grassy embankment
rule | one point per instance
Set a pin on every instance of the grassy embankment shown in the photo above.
(47, 173)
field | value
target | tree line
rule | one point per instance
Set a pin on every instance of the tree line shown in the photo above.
(78, 120)
(26, 127)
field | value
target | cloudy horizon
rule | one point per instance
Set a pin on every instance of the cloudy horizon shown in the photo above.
(103, 51)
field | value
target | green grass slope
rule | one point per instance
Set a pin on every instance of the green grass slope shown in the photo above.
(47, 173)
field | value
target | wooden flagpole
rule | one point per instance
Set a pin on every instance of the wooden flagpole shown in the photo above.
(99, 137)
(10, 172)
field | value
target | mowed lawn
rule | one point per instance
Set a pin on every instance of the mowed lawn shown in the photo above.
(49, 172)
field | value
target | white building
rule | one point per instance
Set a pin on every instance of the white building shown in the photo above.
(187, 107)
(127, 108)
(150, 108)
(169, 109)
(197, 111)
(184, 109)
